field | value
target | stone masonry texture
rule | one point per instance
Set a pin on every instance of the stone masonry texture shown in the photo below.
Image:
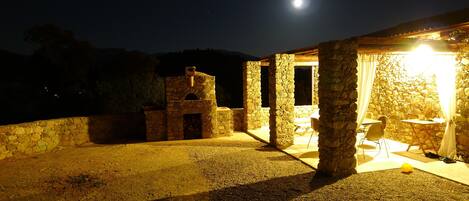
(46, 135)
(252, 101)
(462, 108)
(337, 104)
(282, 99)
(177, 89)
(399, 96)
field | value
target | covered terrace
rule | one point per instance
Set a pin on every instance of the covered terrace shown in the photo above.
(411, 81)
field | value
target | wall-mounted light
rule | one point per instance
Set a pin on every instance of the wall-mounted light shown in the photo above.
(420, 61)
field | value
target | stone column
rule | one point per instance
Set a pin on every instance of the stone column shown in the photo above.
(252, 95)
(337, 104)
(282, 100)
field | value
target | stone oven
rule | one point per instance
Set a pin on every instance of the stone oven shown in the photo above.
(191, 110)
(190, 100)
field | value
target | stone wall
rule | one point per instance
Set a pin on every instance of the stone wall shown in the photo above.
(282, 99)
(462, 117)
(400, 96)
(43, 136)
(228, 120)
(238, 119)
(252, 101)
(177, 88)
(265, 114)
(337, 103)
(155, 121)
(175, 114)
(303, 111)
(225, 124)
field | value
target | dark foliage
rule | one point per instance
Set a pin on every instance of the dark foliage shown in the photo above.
(69, 77)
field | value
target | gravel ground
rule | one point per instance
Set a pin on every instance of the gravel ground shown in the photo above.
(235, 168)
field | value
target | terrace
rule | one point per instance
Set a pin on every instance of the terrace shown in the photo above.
(416, 79)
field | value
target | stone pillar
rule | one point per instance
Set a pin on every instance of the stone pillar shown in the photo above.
(282, 100)
(252, 95)
(337, 104)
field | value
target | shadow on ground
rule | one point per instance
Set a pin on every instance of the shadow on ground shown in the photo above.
(283, 188)
(310, 154)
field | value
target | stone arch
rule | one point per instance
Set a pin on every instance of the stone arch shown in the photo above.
(194, 92)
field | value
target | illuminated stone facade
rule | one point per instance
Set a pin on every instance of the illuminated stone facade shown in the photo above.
(282, 100)
(462, 110)
(399, 96)
(179, 102)
(46, 135)
(252, 102)
(186, 97)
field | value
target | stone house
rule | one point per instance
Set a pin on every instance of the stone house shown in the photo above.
(394, 93)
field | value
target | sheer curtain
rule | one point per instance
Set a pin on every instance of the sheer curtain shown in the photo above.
(366, 75)
(445, 71)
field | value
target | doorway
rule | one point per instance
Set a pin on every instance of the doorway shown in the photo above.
(192, 126)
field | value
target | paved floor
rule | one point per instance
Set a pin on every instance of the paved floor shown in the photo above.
(372, 160)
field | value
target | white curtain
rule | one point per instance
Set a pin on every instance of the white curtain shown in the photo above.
(366, 75)
(445, 70)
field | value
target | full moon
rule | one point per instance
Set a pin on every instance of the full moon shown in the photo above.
(298, 4)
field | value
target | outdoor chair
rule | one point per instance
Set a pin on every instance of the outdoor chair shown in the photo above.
(315, 127)
(375, 133)
(302, 124)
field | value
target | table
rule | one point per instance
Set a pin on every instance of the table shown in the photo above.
(416, 141)
(368, 122)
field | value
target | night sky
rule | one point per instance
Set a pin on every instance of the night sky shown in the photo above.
(256, 27)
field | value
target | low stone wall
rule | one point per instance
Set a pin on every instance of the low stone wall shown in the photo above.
(302, 111)
(43, 136)
(224, 122)
(155, 121)
(265, 113)
(238, 118)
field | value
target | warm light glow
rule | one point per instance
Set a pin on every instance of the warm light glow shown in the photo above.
(445, 71)
(420, 61)
(298, 4)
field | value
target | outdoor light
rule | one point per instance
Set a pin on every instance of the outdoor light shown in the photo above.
(420, 61)
(298, 4)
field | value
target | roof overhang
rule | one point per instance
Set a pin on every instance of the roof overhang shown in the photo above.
(370, 45)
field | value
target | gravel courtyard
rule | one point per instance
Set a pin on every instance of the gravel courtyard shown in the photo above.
(234, 168)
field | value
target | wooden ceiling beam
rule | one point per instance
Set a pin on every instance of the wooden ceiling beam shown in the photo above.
(300, 60)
